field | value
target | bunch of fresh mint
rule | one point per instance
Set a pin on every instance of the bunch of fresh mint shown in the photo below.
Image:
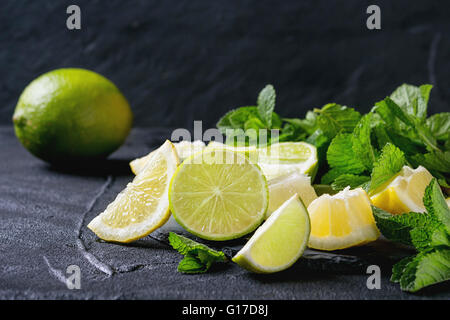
(428, 232)
(354, 149)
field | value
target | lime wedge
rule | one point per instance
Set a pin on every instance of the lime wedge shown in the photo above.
(279, 242)
(218, 195)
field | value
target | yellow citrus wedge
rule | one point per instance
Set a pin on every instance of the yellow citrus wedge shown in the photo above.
(218, 195)
(143, 205)
(284, 187)
(184, 149)
(342, 220)
(403, 193)
(279, 242)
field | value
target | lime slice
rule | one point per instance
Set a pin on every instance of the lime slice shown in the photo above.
(143, 205)
(284, 187)
(279, 242)
(286, 157)
(218, 195)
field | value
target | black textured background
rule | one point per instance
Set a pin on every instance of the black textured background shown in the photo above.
(177, 61)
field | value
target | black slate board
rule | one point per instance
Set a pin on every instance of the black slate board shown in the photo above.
(44, 212)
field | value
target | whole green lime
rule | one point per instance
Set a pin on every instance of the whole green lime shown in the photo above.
(72, 115)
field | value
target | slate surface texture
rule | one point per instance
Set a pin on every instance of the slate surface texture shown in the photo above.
(176, 62)
(43, 217)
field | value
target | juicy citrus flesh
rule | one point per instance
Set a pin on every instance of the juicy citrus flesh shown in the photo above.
(184, 149)
(404, 193)
(143, 205)
(218, 195)
(342, 220)
(279, 242)
(279, 159)
(284, 187)
(287, 157)
(72, 115)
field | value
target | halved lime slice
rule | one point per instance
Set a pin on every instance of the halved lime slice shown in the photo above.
(279, 242)
(286, 157)
(218, 195)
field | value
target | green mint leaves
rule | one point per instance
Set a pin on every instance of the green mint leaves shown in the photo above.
(428, 232)
(390, 162)
(198, 258)
(243, 125)
(353, 149)
(266, 104)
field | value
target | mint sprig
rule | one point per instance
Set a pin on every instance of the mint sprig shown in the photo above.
(400, 120)
(428, 233)
(198, 258)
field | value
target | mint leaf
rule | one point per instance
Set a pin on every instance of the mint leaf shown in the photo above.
(361, 142)
(334, 118)
(428, 233)
(408, 125)
(266, 104)
(191, 264)
(351, 180)
(437, 160)
(436, 205)
(427, 268)
(398, 227)
(412, 99)
(439, 125)
(198, 257)
(308, 125)
(399, 267)
(341, 157)
(235, 119)
(240, 116)
(389, 164)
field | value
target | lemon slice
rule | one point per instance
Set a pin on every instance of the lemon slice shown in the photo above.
(218, 195)
(341, 221)
(279, 242)
(286, 157)
(184, 149)
(284, 187)
(404, 193)
(143, 205)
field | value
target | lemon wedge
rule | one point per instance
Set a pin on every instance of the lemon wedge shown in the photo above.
(279, 242)
(143, 205)
(403, 193)
(342, 220)
(184, 150)
(284, 187)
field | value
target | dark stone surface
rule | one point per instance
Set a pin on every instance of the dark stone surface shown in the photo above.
(178, 61)
(43, 217)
